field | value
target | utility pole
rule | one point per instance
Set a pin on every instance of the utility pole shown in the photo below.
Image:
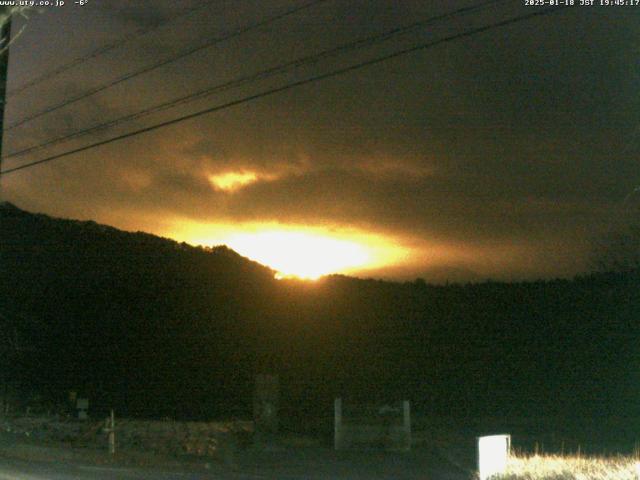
(5, 40)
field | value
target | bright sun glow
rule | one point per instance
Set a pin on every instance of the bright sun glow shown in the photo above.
(299, 251)
(303, 255)
(232, 180)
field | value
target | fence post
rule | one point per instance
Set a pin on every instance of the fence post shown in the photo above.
(112, 433)
(337, 424)
(406, 416)
(265, 409)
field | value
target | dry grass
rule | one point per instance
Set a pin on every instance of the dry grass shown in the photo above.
(555, 467)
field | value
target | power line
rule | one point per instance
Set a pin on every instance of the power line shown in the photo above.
(104, 49)
(360, 43)
(183, 54)
(265, 93)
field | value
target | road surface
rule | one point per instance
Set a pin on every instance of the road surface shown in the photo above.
(307, 464)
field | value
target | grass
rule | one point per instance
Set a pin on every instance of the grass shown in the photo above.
(556, 467)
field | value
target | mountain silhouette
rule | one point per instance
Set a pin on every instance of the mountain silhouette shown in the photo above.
(158, 328)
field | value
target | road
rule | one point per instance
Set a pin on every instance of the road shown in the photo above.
(13, 469)
(307, 464)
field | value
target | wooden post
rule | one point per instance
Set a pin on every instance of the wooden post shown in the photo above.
(337, 424)
(112, 433)
(406, 416)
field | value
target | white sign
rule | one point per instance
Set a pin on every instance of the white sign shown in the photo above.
(493, 454)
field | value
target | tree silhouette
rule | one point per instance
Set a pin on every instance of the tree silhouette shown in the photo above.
(14, 346)
(619, 249)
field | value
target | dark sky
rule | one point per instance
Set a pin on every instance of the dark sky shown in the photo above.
(501, 155)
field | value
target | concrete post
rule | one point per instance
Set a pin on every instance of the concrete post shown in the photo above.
(265, 408)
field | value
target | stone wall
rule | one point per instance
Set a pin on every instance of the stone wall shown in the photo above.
(207, 439)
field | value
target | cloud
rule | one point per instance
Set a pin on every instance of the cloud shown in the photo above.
(499, 153)
(140, 15)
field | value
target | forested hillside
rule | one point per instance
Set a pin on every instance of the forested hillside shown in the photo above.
(158, 328)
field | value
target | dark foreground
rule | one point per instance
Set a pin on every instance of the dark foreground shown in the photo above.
(312, 463)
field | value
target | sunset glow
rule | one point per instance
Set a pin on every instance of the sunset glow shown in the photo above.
(302, 255)
(230, 181)
(299, 252)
